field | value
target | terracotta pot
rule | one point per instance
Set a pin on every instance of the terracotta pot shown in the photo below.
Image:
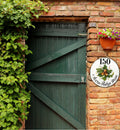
(107, 43)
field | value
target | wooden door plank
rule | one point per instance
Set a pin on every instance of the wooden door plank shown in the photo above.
(82, 69)
(66, 116)
(82, 60)
(82, 101)
(57, 54)
(53, 77)
(60, 33)
(59, 29)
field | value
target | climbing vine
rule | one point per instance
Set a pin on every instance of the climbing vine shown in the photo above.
(15, 19)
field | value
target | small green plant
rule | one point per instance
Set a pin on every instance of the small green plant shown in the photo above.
(15, 19)
(104, 72)
(108, 33)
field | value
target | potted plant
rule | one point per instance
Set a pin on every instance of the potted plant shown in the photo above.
(108, 37)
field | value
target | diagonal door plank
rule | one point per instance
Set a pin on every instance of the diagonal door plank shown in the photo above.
(70, 119)
(57, 54)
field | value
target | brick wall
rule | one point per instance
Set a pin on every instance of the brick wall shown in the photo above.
(103, 104)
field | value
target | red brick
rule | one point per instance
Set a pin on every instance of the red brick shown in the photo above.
(117, 116)
(81, 13)
(93, 106)
(118, 25)
(98, 101)
(90, 83)
(117, 83)
(111, 112)
(86, 3)
(93, 42)
(92, 36)
(59, 8)
(114, 54)
(92, 30)
(106, 127)
(114, 100)
(105, 106)
(115, 122)
(107, 95)
(118, 94)
(94, 8)
(67, 3)
(87, 70)
(92, 117)
(89, 65)
(113, 20)
(50, 13)
(93, 112)
(95, 53)
(108, 14)
(102, 111)
(94, 122)
(63, 13)
(96, 19)
(104, 3)
(110, 117)
(117, 42)
(111, 8)
(118, 48)
(76, 7)
(94, 13)
(117, 127)
(117, 106)
(91, 59)
(117, 3)
(117, 14)
(98, 89)
(103, 122)
(101, 107)
(93, 127)
(105, 25)
(93, 95)
(114, 89)
(118, 61)
(92, 48)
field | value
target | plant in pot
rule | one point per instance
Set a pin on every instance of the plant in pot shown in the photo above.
(108, 37)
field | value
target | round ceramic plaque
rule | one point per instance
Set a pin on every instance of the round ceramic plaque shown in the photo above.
(104, 72)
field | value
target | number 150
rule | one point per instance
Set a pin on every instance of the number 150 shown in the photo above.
(105, 61)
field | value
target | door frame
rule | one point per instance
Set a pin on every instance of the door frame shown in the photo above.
(61, 19)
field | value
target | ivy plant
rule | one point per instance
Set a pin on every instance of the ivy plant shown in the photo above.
(15, 20)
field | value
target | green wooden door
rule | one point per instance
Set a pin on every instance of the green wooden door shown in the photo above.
(58, 77)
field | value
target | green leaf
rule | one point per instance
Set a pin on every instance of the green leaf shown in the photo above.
(15, 20)
(3, 114)
(10, 91)
(16, 89)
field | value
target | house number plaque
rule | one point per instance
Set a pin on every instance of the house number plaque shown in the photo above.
(104, 72)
